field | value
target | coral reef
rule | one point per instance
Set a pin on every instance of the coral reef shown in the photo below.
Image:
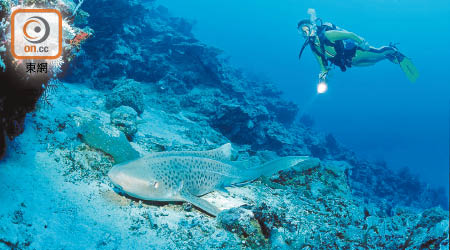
(68, 201)
(109, 139)
(124, 118)
(243, 223)
(126, 92)
(180, 74)
(20, 91)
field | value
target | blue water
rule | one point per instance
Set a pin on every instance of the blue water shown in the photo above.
(375, 111)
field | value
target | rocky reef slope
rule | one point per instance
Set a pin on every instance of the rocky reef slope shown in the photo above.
(153, 85)
(56, 194)
(148, 47)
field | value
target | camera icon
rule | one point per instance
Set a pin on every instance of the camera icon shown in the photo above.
(36, 34)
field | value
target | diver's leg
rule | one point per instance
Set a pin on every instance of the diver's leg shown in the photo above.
(363, 64)
(372, 55)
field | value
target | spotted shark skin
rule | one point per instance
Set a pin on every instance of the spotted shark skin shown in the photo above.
(183, 176)
(222, 153)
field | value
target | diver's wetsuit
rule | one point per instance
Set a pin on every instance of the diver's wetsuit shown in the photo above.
(345, 49)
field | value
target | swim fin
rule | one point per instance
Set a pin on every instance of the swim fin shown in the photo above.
(409, 69)
(405, 63)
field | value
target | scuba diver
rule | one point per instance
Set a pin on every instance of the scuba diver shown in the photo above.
(332, 45)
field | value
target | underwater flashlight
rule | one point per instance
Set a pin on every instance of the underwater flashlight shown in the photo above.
(322, 87)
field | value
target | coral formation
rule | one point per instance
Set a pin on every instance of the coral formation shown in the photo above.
(124, 118)
(243, 223)
(126, 92)
(108, 139)
(20, 91)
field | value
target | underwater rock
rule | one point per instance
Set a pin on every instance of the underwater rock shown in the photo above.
(269, 218)
(338, 168)
(241, 121)
(285, 112)
(18, 96)
(85, 163)
(124, 118)
(277, 240)
(203, 101)
(108, 139)
(378, 182)
(430, 232)
(127, 92)
(242, 222)
(171, 83)
(2, 143)
(316, 146)
(431, 216)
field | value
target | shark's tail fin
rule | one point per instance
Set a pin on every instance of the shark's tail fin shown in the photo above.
(272, 167)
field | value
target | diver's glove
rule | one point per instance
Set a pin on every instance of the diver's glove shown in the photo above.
(323, 75)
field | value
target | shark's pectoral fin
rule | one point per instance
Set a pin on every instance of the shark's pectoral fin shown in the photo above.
(200, 203)
(222, 190)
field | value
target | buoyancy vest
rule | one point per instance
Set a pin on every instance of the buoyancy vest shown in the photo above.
(345, 49)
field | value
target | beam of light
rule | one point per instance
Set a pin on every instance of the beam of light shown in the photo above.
(307, 106)
(322, 87)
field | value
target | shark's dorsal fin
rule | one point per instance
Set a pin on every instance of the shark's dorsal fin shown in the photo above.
(222, 153)
(200, 203)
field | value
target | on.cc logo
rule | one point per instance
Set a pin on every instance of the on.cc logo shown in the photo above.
(36, 29)
(36, 34)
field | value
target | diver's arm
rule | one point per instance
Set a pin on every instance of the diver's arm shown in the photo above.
(323, 69)
(336, 35)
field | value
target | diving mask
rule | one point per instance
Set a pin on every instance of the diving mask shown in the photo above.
(306, 30)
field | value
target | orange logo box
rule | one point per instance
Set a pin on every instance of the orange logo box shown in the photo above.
(36, 34)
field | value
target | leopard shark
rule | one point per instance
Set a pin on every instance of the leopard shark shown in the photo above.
(186, 175)
(222, 153)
